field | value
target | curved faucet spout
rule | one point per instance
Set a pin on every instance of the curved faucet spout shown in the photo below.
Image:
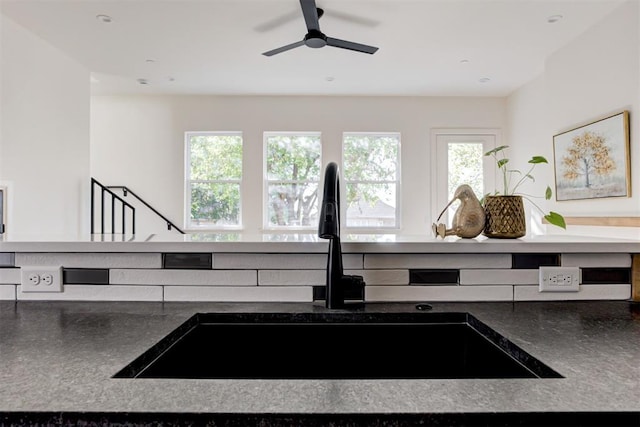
(329, 226)
(338, 284)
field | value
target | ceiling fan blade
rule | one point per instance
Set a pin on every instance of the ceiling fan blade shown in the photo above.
(284, 48)
(277, 21)
(310, 12)
(351, 45)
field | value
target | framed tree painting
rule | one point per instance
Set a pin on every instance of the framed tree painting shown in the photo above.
(592, 161)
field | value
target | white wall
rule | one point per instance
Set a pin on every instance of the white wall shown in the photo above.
(594, 76)
(44, 139)
(138, 141)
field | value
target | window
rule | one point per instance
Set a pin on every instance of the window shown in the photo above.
(371, 170)
(460, 160)
(292, 173)
(214, 175)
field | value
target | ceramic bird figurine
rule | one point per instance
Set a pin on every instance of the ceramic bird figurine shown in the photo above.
(468, 221)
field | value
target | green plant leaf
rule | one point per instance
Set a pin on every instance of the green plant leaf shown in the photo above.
(548, 193)
(556, 219)
(530, 177)
(538, 159)
(495, 150)
(502, 162)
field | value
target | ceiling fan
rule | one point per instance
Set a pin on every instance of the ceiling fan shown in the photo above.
(316, 38)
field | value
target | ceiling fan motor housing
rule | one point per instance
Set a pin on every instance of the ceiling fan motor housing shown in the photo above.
(315, 39)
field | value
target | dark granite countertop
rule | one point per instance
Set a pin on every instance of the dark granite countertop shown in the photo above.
(59, 357)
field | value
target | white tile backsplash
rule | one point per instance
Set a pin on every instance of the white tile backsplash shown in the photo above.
(91, 260)
(184, 277)
(596, 260)
(586, 292)
(382, 277)
(97, 293)
(319, 277)
(281, 261)
(10, 276)
(438, 293)
(8, 292)
(499, 277)
(420, 261)
(250, 277)
(292, 277)
(239, 294)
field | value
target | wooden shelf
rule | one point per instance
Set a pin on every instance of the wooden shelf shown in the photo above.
(607, 221)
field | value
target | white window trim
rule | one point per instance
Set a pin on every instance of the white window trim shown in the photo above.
(266, 227)
(398, 182)
(439, 164)
(188, 181)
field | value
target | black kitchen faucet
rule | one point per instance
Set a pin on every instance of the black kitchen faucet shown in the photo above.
(339, 286)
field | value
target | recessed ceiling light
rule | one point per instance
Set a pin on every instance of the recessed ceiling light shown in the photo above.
(143, 81)
(554, 18)
(330, 78)
(171, 79)
(484, 80)
(150, 61)
(464, 61)
(106, 19)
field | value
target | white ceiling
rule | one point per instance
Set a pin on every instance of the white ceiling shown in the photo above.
(215, 46)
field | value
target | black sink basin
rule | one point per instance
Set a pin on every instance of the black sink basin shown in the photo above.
(335, 346)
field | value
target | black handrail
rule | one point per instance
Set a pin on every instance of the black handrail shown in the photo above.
(104, 191)
(126, 190)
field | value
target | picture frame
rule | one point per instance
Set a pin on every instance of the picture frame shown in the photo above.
(592, 161)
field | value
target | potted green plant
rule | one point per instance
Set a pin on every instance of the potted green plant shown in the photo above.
(504, 210)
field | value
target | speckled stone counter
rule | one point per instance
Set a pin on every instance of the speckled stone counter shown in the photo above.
(59, 357)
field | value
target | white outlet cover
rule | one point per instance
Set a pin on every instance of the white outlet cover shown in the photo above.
(559, 279)
(41, 279)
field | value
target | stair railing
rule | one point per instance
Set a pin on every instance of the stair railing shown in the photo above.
(113, 198)
(126, 191)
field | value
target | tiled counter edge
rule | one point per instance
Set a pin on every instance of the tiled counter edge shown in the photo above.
(291, 277)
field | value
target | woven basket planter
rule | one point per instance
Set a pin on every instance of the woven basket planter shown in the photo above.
(505, 217)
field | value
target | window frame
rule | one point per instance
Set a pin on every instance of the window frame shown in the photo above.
(188, 226)
(265, 183)
(440, 138)
(398, 183)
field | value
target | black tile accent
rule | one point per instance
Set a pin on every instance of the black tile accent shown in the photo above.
(187, 261)
(603, 276)
(85, 276)
(438, 276)
(350, 294)
(533, 261)
(7, 259)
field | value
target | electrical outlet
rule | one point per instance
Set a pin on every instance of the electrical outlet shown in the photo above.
(41, 279)
(559, 279)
